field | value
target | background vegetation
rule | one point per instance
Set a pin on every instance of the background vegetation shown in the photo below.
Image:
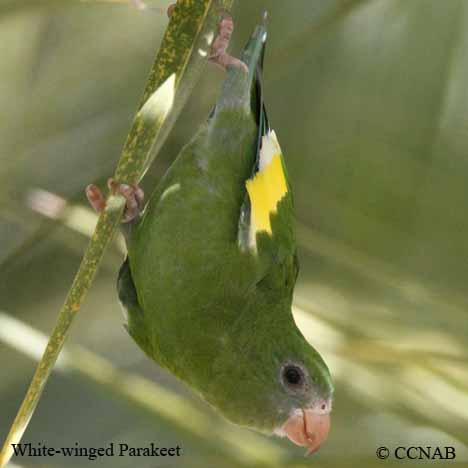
(369, 100)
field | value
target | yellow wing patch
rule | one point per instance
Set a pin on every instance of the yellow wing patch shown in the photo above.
(265, 190)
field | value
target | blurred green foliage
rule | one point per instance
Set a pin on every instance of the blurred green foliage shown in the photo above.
(369, 102)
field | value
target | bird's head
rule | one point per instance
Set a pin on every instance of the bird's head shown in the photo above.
(307, 399)
(272, 380)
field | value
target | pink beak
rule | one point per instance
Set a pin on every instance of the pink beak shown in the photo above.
(309, 427)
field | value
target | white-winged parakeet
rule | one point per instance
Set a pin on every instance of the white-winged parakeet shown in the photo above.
(211, 267)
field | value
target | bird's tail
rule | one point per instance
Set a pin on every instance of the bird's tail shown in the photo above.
(239, 87)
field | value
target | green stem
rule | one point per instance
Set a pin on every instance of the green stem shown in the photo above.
(177, 67)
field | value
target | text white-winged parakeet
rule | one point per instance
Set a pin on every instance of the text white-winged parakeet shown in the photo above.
(211, 267)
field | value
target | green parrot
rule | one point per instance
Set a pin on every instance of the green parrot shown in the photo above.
(208, 281)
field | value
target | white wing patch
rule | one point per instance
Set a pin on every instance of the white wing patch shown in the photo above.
(270, 147)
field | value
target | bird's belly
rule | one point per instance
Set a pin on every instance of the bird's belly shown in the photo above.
(188, 270)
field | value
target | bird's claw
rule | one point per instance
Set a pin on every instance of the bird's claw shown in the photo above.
(218, 55)
(133, 195)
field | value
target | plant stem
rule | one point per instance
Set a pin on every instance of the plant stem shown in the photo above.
(177, 67)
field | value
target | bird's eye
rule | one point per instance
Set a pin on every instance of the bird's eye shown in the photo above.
(293, 376)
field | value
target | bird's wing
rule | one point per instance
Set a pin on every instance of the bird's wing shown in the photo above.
(134, 315)
(266, 225)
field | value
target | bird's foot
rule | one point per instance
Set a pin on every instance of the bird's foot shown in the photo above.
(218, 55)
(133, 195)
